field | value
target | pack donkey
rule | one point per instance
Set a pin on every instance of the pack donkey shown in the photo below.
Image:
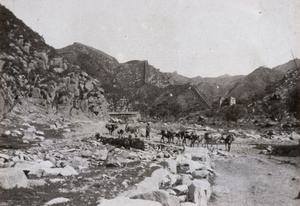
(228, 139)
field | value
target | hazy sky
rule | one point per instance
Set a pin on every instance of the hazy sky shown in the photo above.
(193, 37)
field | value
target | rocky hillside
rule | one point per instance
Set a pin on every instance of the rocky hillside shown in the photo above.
(253, 86)
(78, 79)
(35, 79)
(146, 87)
(92, 61)
(255, 82)
(141, 84)
(244, 88)
(281, 102)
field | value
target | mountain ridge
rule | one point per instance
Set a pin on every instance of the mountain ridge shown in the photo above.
(85, 78)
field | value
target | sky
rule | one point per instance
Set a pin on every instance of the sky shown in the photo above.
(206, 38)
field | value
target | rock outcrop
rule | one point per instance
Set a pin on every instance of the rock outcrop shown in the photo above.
(36, 79)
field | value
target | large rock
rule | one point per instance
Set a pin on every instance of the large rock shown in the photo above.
(172, 165)
(116, 160)
(12, 177)
(57, 200)
(295, 136)
(198, 154)
(183, 167)
(181, 189)
(86, 153)
(270, 123)
(68, 171)
(30, 128)
(149, 184)
(146, 185)
(186, 179)
(203, 157)
(46, 172)
(188, 204)
(58, 70)
(78, 162)
(199, 192)
(36, 92)
(159, 196)
(34, 168)
(88, 86)
(200, 174)
(125, 201)
(187, 166)
(159, 175)
(30, 136)
(46, 163)
(4, 156)
(42, 55)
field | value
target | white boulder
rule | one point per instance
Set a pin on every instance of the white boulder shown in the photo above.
(125, 201)
(12, 177)
(57, 200)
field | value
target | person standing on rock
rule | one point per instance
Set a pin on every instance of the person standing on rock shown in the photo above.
(148, 131)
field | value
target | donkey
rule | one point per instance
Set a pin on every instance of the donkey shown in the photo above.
(168, 134)
(211, 139)
(228, 139)
(193, 137)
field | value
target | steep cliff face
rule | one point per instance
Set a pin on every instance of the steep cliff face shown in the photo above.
(34, 78)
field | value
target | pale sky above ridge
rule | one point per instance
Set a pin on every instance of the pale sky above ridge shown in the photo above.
(205, 38)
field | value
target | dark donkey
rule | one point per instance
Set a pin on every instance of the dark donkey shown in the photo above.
(193, 137)
(168, 134)
(228, 139)
(212, 139)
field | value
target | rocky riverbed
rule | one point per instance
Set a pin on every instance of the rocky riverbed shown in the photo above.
(61, 162)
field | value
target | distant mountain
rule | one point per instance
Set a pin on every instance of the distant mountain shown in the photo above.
(292, 64)
(129, 80)
(257, 81)
(196, 79)
(224, 76)
(254, 83)
(178, 79)
(127, 77)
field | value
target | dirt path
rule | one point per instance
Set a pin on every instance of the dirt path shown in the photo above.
(253, 179)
